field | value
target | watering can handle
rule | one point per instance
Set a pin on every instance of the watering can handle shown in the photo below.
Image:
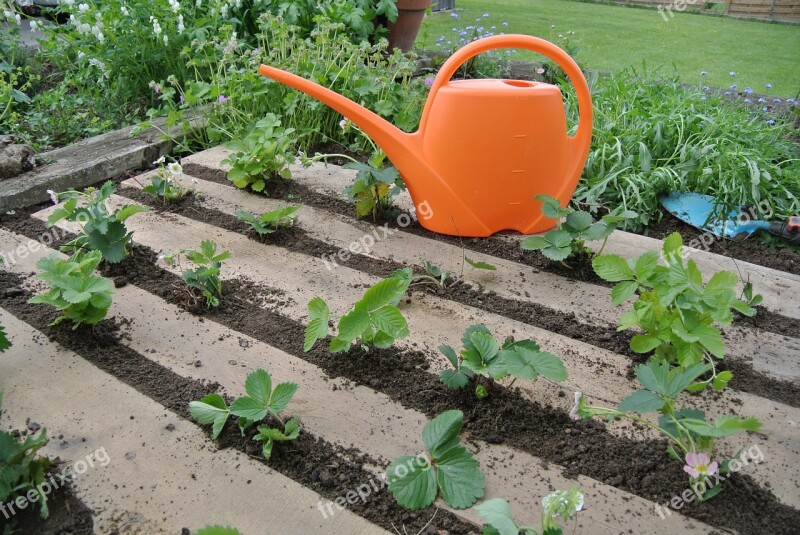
(582, 138)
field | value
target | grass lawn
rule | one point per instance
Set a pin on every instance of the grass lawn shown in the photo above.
(611, 38)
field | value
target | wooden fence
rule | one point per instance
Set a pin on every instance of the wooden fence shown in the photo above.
(775, 10)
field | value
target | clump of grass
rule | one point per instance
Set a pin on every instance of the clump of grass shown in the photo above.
(655, 135)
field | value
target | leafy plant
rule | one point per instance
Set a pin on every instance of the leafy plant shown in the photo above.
(674, 308)
(374, 320)
(205, 277)
(269, 222)
(102, 229)
(260, 402)
(22, 469)
(438, 275)
(449, 468)
(564, 504)
(374, 186)
(264, 153)
(483, 355)
(5, 343)
(75, 291)
(686, 430)
(571, 235)
(165, 183)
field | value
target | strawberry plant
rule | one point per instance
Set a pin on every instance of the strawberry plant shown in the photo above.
(448, 468)
(264, 153)
(374, 186)
(22, 469)
(484, 355)
(101, 229)
(570, 237)
(205, 277)
(269, 222)
(261, 401)
(75, 291)
(165, 184)
(688, 432)
(374, 321)
(676, 311)
(564, 504)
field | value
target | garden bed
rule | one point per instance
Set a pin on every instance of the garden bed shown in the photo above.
(130, 381)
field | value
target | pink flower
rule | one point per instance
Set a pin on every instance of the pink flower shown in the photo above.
(429, 81)
(222, 99)
(698, 465)
(540, 70)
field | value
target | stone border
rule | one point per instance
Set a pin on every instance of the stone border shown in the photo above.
(91, 161)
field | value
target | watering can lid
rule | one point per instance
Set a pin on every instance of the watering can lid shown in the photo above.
(498, 84)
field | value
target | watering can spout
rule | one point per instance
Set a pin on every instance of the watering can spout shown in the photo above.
(399, 146)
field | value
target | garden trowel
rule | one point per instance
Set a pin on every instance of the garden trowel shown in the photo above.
(704, 213)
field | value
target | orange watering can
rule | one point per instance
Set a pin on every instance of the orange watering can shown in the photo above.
(484, 148)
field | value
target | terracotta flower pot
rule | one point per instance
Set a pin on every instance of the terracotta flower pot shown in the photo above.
(403, 32)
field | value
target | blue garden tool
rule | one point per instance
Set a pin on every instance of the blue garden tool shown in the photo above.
(703, 212)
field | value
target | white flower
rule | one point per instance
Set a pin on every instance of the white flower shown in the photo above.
(124, 11)
(83, 7)
(161, 160)
(34, 26)
(100, 37)
(181, 27)
(175, 169)
(53, 196)
(166, 39)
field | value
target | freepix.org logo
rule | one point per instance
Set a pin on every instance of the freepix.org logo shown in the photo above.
(56, 481)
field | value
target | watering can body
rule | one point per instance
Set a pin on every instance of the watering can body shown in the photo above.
(484, 148)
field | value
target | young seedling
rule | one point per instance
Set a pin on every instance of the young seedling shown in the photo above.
(265, 153)
(674, 308)
(102, 230)
(564, 504)
(269, 222)
(570, 237)
(448, 468)
(261, 401)
(75, 291)
(165, 184)
(483, 355)
(22, 469)
(376, 181)
(205, 277)
(374, 321)
(686, 430)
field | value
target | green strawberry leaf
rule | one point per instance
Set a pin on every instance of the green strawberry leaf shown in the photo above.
(212, 409)
(413, 487)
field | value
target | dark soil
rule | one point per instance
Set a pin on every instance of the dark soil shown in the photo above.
(308, 460)
(68, 515)
(640, 467)
(295, 239)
